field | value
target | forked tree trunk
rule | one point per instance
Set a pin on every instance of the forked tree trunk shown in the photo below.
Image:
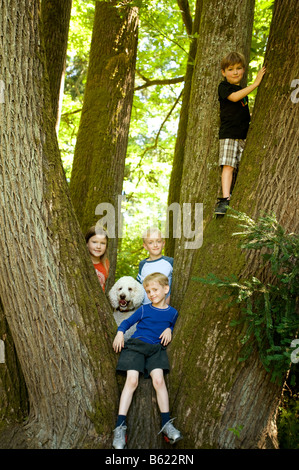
(99, 160)
(225, 26)
(229, 394)
(59, 319)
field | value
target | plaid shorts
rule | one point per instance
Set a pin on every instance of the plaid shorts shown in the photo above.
(230, 151)
(143, 357)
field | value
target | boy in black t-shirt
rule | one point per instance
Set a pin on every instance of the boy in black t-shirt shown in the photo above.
(235, 118)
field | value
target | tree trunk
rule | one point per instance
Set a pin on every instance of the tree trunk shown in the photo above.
(55, 21)
(98, 167)
(59, 319)
(224, 26)
(205, 350)
(178, 158)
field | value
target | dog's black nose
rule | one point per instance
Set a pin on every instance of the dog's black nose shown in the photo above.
(123, 296)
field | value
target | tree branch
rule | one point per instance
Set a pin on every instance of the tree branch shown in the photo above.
(71, 112)
(186, 15)
(166, 81)
(155, 144)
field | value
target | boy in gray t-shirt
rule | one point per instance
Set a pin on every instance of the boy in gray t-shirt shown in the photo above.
(154, 242)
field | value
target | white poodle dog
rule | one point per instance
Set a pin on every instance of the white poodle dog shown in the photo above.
(127, 294)
(125, 297)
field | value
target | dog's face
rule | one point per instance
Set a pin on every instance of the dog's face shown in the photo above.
(125, 298)
(126, 294)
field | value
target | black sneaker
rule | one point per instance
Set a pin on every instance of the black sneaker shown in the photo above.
(222, 203)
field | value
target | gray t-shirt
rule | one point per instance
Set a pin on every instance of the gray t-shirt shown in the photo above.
(162, 265)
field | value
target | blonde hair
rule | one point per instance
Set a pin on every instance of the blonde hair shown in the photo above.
(150, 231)
(231, 59)
(158, 277)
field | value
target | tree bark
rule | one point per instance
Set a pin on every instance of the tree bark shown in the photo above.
(98, 167)
(205, 350)
(56, 20)
(224, 26)
(59, 319)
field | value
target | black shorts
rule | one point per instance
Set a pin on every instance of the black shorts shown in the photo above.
(143, 357)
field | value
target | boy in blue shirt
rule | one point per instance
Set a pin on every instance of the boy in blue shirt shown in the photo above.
(154, 243)
(235, 119)
(145, 352)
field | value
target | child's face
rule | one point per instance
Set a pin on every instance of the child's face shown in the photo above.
(97, 246)
(234, 73)
(154, 244)
(156, 292)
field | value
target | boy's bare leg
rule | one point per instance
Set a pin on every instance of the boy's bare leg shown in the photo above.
(159, 385)
(226, 180)
(128, 391)
(171, 434)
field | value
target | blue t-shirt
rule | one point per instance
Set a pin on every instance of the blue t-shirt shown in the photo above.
(162, 265)
(151, 322)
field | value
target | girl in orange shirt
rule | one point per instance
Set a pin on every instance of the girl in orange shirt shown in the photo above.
(97, 244)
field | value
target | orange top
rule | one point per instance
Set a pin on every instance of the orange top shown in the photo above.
(102, 272)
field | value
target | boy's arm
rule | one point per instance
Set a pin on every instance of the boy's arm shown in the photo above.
(134, 318)
(118, 342)
(239, 95)
(166, 337)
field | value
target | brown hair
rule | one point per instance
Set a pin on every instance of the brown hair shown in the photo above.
(91, 232)
(159, 277)
(231, 59)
